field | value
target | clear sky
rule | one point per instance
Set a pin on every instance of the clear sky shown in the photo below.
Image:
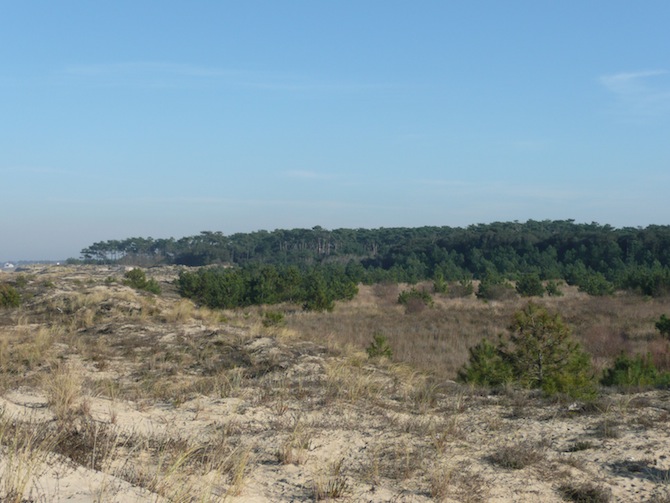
(165, 118)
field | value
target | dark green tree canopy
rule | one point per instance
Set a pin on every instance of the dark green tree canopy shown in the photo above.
(597, 258)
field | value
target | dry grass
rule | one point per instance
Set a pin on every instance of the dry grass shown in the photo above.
(23, 350)
(190, 404)
(451, 482)
(25, 452)
(436, 341)
(63, 388)
(518, 456)
(585, 493)
(330, 483)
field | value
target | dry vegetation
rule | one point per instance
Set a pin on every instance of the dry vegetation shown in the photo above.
(110, 394)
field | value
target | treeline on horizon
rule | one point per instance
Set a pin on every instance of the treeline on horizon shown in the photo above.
(598, 258)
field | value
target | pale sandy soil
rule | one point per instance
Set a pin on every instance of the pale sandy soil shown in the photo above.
(172, 403)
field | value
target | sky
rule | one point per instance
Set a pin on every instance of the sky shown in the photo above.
(164, 119)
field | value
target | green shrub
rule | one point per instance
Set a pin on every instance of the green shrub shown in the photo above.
(488, 365)
(636, 371)
(440, 285)
(545, 355)
(494, 287)
(9, 296)
(462, 288)
(273, 319)
(529, 285)
(538, 352)
(553, 289)
(663, 326)
(415, 300)
(379, 347)
(21, 280)
(319, 296)
(595, 284)
(136, 278)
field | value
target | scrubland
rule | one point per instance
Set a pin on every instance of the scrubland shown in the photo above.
(112, 394)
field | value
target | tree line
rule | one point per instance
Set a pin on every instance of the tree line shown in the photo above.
(598, 258)
(316, 288)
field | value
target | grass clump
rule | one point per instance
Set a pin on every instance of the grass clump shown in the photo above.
(585, 493)
(517, 456)
(25, 452)
(580, 445)
(333, 485)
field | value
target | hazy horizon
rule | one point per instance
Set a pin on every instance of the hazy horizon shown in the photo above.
(165, 119)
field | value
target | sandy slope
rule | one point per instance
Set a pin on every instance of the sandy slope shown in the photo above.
(289, 420)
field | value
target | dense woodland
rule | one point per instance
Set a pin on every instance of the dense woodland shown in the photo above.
(598, 258)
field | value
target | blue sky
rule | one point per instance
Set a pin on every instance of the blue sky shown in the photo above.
(164, 118)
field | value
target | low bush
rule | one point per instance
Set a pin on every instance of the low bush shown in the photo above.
(663, 326)
(273, 319)
(415, 300)
(440, 285)
(595, 284)
(379, 347)
(493, 287)
(552, 289)
(136, 278)
(635, 371)
(463, 288)
(9, 296)
(489, 365)
(539, 352)
(530, 285)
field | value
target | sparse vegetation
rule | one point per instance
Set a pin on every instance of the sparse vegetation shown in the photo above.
(518, 456)
(331, 485)
(153, 398)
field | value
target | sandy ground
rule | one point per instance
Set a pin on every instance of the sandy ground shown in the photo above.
(295, 421)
